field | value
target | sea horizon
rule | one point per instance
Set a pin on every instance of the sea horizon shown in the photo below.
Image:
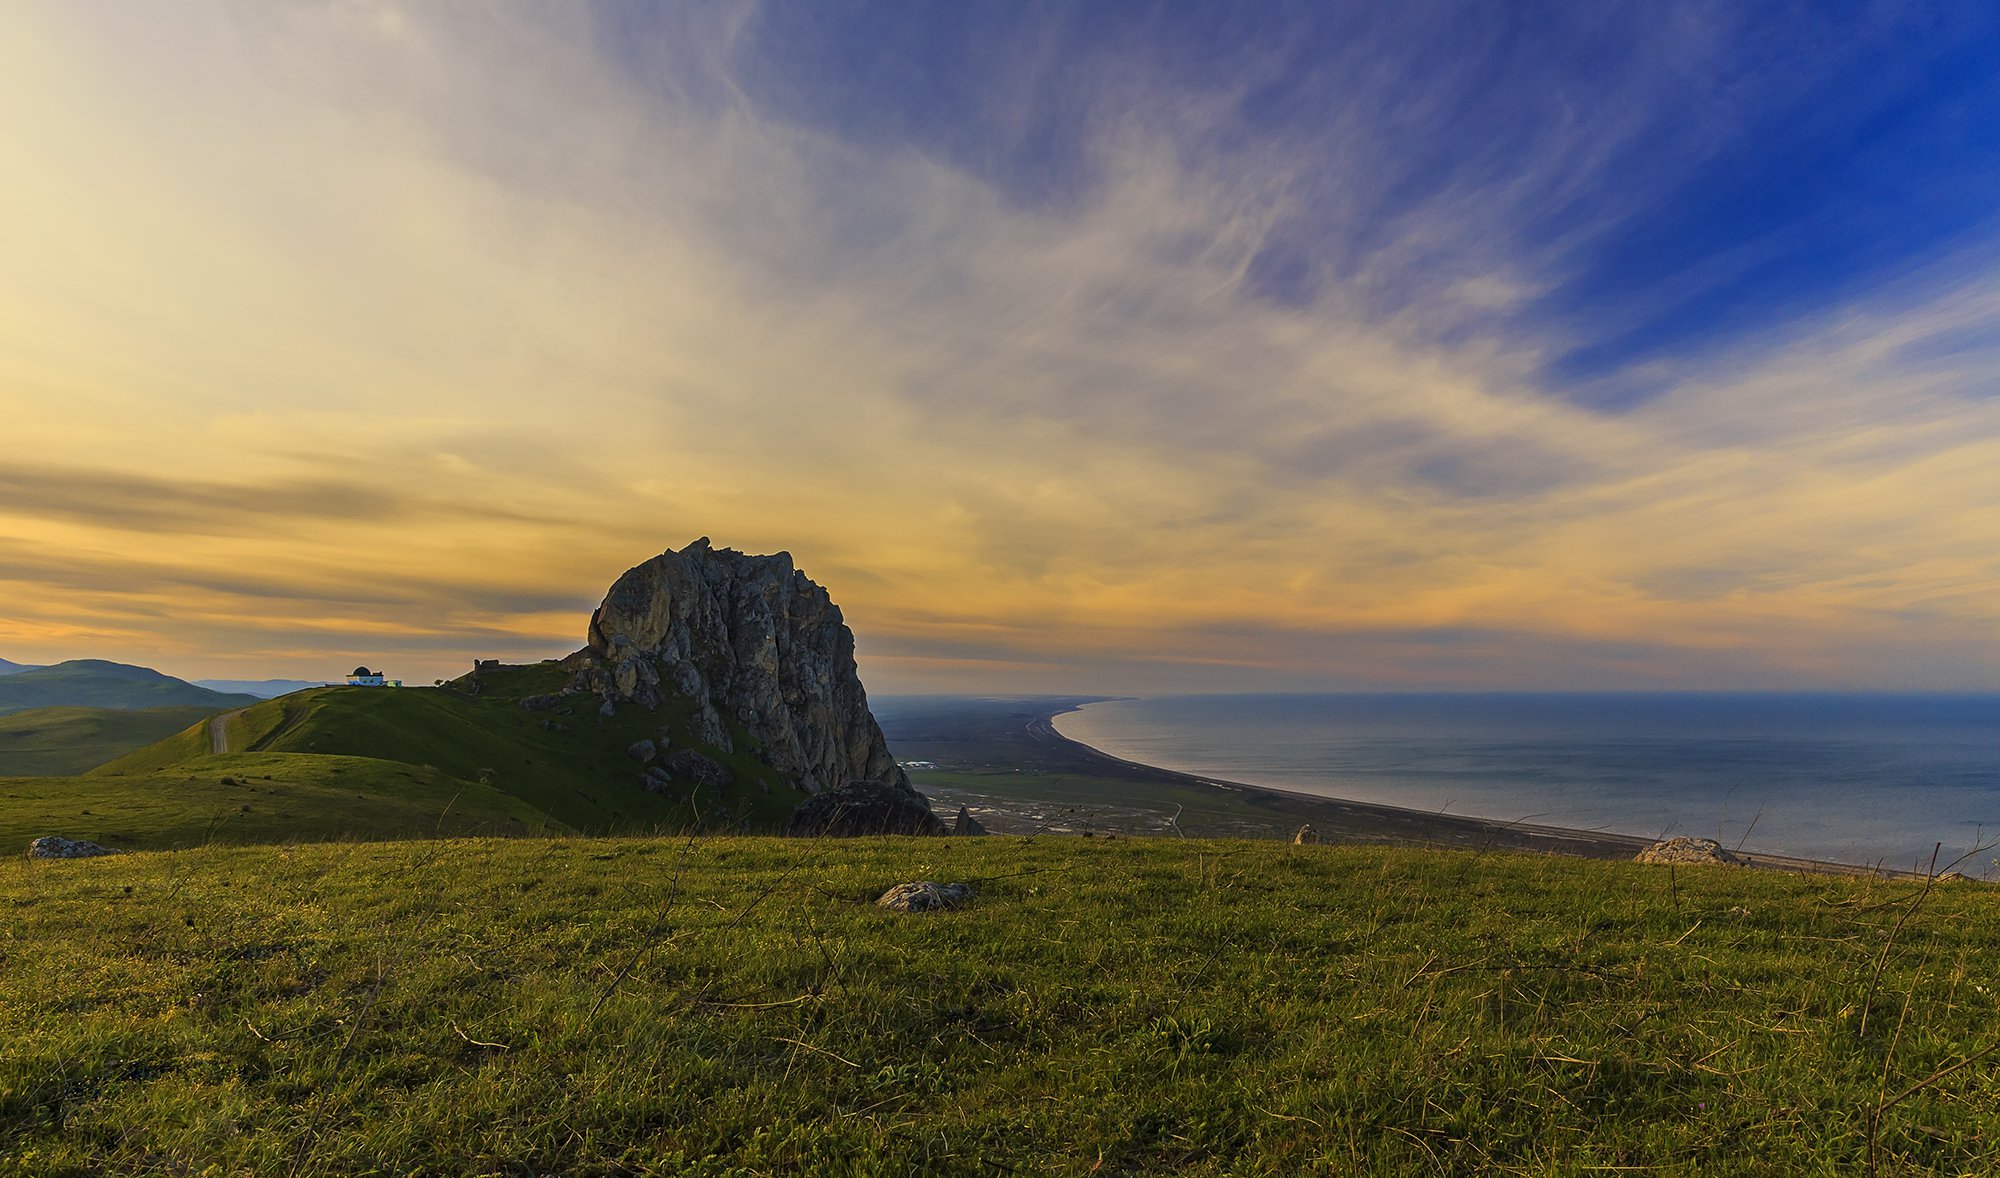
(1872, 777)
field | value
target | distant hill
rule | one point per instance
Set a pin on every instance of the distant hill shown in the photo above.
(261, 688)
(7, 668)
(53, 742)
(94, 683)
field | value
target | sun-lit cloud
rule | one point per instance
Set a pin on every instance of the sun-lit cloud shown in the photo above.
(337, 329)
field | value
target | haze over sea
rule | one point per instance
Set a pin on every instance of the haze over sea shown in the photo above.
(1852, 778)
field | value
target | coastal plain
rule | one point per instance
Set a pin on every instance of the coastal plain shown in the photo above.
(1004, 760)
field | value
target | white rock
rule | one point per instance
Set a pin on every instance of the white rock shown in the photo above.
(924, 896)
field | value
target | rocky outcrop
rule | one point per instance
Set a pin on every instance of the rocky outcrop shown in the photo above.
(752, 641)
(966, 824)
(51, 846)
(1684, 850)
(1306, 836)
(866, 807)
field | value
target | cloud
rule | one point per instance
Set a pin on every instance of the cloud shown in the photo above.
(416, 326)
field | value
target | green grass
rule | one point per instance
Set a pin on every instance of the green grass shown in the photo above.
(737, 1006)
(353, 762)
(261, 798)
(53, 742)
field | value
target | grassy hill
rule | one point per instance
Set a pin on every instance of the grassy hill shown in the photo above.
(94, 683)
(738, 1006)
(57, 741)
(356, 762)
(7, 668)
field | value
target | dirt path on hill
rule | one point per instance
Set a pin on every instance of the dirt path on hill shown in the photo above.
(218, 731)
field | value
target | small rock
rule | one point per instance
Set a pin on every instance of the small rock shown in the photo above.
(699, 769)
(965, 823)
(608, 708)
(1685, 850)
(51, 846)
(656, 780)
(644, 752)
(1306, 837)
(924, 896)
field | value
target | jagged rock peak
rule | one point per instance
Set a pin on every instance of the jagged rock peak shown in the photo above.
(748, 638)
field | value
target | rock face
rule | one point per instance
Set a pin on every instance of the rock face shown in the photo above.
(51, 846)
(753, 640)
(865, 807)
(1686, 850)
(924, 896)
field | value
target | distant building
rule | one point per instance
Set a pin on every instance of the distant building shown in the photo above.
(363, 677)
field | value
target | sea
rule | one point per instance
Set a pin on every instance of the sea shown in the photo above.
(1885, 780)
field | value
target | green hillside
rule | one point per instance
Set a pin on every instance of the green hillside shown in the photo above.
(56, 741)
(94, 683)
(260, 798)
(1129, 1006)
(357, 762)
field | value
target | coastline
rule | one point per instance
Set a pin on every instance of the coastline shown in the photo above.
(1338, 820)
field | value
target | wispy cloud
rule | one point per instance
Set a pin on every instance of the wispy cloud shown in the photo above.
(414, 326)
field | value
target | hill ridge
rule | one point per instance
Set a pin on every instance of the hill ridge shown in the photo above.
(101, 683)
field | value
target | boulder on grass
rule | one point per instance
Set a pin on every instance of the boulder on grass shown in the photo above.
(51, 846)
(692, 766)
(1684, 850)
(965, 823)
(924, 896)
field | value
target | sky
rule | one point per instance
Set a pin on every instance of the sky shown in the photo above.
(1093, 347)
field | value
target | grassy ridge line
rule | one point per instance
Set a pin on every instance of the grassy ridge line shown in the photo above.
(60, 741)
(341, 762)
(737, 1006)
(577, 770)
(261, 798)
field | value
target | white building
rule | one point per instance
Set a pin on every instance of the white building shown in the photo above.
(363, 677)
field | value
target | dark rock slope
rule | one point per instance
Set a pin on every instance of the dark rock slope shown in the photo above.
(754, 640)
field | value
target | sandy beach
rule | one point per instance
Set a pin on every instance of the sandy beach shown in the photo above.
(1348, 821)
